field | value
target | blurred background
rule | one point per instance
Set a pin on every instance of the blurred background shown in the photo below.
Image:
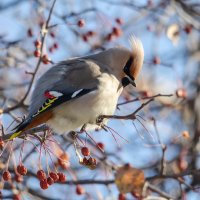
(163, 140)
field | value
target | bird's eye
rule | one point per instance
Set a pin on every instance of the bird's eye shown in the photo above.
(128, 66)
(125, 81)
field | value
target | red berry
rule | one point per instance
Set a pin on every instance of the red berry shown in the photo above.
(121, 197)
(79, 190)
(145, 93)
(37, 44)
(135, 195)
(100, 145)
(41, 175)
(50, 181)
(16, 197)
(81, 23)
(119, 21)
(55, 45)
(1, 143)
(85, 151)
(29, 32)
(41, 22)
(109, 37)
(52, 34)
(156, 60)
(181, 93)
(18, 178)
(22, 170)
(188, 28)
(117, 31)
(62, 177)
(43, 184)
(90, 33)
(37, 53)
(85, 161)
(51, 49)
(54, 176)
(85, 38)
(45, 59)
(6, 176)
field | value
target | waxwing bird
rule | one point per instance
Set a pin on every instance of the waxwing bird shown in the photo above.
(77, 91)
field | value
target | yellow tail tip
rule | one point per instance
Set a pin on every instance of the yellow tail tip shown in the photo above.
(14, 135)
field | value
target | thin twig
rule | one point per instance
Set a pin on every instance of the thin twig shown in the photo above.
(144, 98)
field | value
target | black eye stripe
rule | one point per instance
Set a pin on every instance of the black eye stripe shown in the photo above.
(128, 65)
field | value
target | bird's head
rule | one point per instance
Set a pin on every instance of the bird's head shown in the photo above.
(133, 63)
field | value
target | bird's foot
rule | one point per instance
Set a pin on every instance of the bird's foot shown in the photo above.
(99, 120)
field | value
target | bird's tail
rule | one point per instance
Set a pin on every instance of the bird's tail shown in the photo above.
(19, 129)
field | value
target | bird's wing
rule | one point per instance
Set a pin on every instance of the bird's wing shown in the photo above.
(66, 81)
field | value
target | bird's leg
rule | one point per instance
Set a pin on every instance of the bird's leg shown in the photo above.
(99, 120)
(73, 134)
(83, 128)
(103, 126)
(45, 135)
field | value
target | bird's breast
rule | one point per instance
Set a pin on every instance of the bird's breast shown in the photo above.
(75, 113)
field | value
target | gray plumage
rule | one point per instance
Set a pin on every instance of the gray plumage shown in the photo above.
(101, 73)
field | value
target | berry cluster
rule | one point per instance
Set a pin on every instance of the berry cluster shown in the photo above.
(88, 35)
(21, 171)
(53, 177)
(88, 162)
(116, 30)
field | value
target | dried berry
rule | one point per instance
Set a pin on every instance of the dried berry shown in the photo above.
(92, 161)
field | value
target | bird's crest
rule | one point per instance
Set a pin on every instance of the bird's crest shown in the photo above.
(137, 54)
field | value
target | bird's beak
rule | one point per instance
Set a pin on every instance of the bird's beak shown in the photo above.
(132, 82)
(128, 80)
